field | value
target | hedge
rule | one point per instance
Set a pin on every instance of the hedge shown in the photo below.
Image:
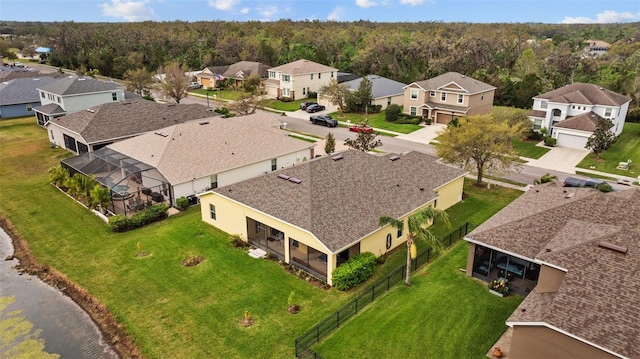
(120, 223)
(355, 271)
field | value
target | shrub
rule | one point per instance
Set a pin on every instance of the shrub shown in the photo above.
(355, 271)
(152, 214)
(550, 141)
(633, 115)
(312, 94)
(534, 135)
(182, 202)
(427, 120)
(237, 242)
(375, 108)
(392, 112)
(604, 187)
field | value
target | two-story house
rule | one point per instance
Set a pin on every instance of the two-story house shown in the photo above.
(448, 96)
(296, 79)
(571, 113)
(73, 93)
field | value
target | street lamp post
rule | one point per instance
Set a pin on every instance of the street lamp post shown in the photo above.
(207, 97)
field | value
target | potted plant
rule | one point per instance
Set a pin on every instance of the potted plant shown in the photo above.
(497, 352)
(498, 287)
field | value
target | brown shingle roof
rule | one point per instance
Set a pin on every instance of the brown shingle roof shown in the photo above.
(303, 66)
(341, 201)
(598, 298)
(468, 84)
(587, 94)
(244, 68)
(585, 122)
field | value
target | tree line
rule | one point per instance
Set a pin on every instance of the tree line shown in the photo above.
(521, 60)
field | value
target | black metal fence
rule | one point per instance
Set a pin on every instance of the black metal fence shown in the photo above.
(333, 321)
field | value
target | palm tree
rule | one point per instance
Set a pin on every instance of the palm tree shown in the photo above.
(100, 196)
(546, 178)
(416, 225)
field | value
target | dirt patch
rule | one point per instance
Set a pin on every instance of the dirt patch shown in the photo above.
(113, 332)
(191, 261)
(293, 309)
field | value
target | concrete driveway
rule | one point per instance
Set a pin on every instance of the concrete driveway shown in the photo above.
(560, 159)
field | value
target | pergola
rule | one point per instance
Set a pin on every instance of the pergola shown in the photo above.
(134, 184)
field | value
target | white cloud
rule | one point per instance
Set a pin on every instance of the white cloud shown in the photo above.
(223, 5)
(244, 10)
(268, 12)
(605, 17)
(128, 10)
(412, 2)
(366, 3)
(336, 14)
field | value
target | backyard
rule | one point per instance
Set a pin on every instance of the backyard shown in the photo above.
(626, 147)
(187, 311)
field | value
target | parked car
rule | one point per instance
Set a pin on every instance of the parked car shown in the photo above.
(579, 182)
(360, 128)
(324, 120)
(314, 108)
(194, 85)
(304, 105)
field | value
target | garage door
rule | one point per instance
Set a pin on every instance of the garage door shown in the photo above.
(443, 118)
(571, 141)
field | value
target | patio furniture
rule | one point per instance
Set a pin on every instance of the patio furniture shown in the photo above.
(157, 197)
(624, 165)
(511, 269)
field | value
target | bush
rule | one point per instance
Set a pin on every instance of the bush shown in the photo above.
(392, 112)
(182, 203)
(633, 115)
(375, 108)
(534, 135)
(550, 141)
(237, 242)
(312, 94)
(404, 120)
(355, 271)
(152, 214)
(427, 120)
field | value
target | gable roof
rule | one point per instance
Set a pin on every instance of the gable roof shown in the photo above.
(331, 201)
(597, 299)
(585, 122)
(585, 94)
(240, 70)
(116, 120)
(302, 66)
(74, 85)
(454, 81)
(195, 149)
(381, 87)
(22, 90)
(50, 109)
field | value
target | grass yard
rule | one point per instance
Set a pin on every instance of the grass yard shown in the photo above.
(444, 314)
(224, 94)
(376, 120)
(286, 106)
(627, 147)
(528, 149)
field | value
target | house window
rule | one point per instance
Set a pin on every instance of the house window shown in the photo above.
(304, 91)
(388, 101)
(573, 107)
(557, 112)
(294, 243)
(212, 211)
(312, 76)
(114, 96)
(460, 98)
(272, 74)
(285, 92)
(214, 181)
(414, 94)
(308, 90)
(319, 76)
(607, 112)
(399, 234)
(52, 138)
(42, 93)
(274, 164)
(432, 93)
(481, 97)
(389, 242)
(543, 105)
(29, 107)
(286, 78)
(70, 143)
(537, 124)
(413, 110)
(58, 99)
(443, 97)
(331, 74)
(82, 148)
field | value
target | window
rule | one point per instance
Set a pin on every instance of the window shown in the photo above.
(312, 76)
(399, 234)
(319, 76)
(286, 92)
(389, 242)
(212, 211)
(432, 93)
(69, 143)
(42, 93)
(543, 105)
(29, 107)
(274, 164)
(573, 107)
(460, 98)
(214, 181)
(414, 94)
(82, 148)
(413, 110)
(388, 101)
(607, 112)
(304, 91)
(286, 78)
(58, 99)
(272, 74)
(443, 97)
(114, 96)
(481, 97)
(308, 90)
(331, 74)
(557, 112)
(52, 138)
(537, 124)
(294, 243)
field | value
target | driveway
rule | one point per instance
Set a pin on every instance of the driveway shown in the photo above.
(560, 159)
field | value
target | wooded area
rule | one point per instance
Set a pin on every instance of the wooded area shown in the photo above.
(521, 60)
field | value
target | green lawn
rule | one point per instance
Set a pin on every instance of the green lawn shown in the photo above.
(627, 147)
(444, 314)
(528, 149)
(376, 120)
(224, 94)
(289, 106)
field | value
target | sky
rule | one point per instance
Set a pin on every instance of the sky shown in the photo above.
(474, 11)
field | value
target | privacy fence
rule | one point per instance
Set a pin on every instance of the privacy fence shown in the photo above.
(333, 321)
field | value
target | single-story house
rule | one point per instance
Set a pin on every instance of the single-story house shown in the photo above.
(188, 158)
(571, 113)
(19, 96)
(239, 72)
(322, 212)
(574, 253)
(384, 91)
(98, 126)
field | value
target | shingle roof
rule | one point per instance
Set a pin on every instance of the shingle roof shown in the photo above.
(598, 299)
(193, 150)
(11, 73)
(444, 106)
(585, 122)
(73, 85)
(341, 201)
(468, 84)
(115, 120)
(299, 67)
(586, 94)
(248, 68)
(381, 87)
(22, 90)
(50, 109)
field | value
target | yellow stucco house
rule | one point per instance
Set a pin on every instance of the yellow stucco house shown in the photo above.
(320, 213)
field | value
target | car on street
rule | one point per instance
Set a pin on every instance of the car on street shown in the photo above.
(304, 105)
(579, 182)
(314, 108)
(324, 120)
(360, 128)
(194, 85)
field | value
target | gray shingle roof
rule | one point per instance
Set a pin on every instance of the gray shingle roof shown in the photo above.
(248, 68)
(586, 94)
(341, 201)
(303, 66)
(598, 298)
(50, 109)
(116, 120)
(22, 90)
(73, 85)
(381, 87)
(193, 150)
(468, 84)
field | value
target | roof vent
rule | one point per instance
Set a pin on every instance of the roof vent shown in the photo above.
(394, 158)
(81, 79)
(91, 110)
(204, 122)
(283, 176)
(337, 157)
(295, 180)
(570, 195)
(613, 247)
(161, 134)
(126, 102)
(171, 105)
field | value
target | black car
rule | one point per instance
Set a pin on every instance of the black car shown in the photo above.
(304, 105)
(314, 108)
(579, 182)
(324, 120)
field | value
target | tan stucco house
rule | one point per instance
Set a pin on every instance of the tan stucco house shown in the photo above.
(295, 79)
(210, 77)
(448, 96)
(318, 214)
(574, 253)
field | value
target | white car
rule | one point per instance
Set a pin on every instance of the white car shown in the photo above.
(194, 85)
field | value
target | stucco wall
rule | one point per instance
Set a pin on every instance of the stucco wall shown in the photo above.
(408, 102)
(84, 101)
(480, 104)
(537, 342)
(450, 193)
(18, 110)
(549, 279)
